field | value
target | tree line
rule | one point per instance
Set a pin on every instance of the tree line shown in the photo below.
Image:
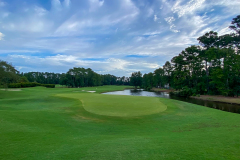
(212, 67)
(75, 77)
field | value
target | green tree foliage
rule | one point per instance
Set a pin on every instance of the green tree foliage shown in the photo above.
(236, 36)
(81, 77)
(8, 74)
(167, 69)
(75, 77)
(23, 79)
(136, 79)
(159, 80)
(236, 24)
(148, 81)
(43, 77)
(109, 79)
(123, 81)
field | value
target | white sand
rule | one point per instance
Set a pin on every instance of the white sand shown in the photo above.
(92, 91)
(11, 89)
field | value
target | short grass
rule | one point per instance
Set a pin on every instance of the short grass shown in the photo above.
(120, 106)
(66, 123)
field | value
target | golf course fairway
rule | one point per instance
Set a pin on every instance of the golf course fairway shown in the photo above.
(71, 123)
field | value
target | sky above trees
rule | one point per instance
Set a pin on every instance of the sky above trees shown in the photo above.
(117, 37)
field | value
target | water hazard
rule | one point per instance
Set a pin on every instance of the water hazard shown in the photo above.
(217, 105)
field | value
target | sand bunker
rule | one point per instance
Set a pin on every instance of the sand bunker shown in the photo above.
(11, 89)
(92, 91)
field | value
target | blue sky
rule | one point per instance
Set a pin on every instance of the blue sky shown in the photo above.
(110, 36)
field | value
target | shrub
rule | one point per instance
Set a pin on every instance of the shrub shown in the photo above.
(49, 85)
(185, 92)
(14, 85)
(29, 84)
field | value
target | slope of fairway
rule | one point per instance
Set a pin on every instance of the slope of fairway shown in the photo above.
(35, 124)
(120, 106)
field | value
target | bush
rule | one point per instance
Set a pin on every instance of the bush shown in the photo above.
(49, 85)
(185, 92)
(14, 85)
(29, 84)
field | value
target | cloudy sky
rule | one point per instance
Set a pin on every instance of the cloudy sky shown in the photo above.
(109, 36)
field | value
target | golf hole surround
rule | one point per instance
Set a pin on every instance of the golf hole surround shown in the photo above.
(119, 105)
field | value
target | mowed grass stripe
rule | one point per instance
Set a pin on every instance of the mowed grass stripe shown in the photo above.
(119, 106)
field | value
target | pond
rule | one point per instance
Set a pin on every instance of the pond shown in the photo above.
(217, 105)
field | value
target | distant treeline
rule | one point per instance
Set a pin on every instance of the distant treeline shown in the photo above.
(213, 67)
(76, 77)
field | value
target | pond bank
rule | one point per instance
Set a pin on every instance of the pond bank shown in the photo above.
(162, 90)
(230, 100)
(213, 98)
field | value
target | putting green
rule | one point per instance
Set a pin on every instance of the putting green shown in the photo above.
(119, 106)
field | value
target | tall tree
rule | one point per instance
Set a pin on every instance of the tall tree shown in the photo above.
(136, 79)
(167, 68)
(159, 80)
(207, 41)
(8, 74)
(236, 24)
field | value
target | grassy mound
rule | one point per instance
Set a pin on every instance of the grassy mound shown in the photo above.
(120, 106)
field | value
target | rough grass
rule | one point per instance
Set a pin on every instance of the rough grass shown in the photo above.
(37, 124)
(235, 100)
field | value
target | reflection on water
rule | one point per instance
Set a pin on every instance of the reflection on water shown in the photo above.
(140, 92)
(217, 105)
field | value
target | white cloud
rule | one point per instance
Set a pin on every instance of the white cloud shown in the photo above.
(116, 64)
(155, 18)
(170, 21)
(152, 33)
(1, 36)
(40, 11)
(188, 8)
(76, 24)
(225, 30)
(193, 25)
(62, 63)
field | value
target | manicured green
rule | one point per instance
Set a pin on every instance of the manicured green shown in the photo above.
(69, 123)
(120, 106)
